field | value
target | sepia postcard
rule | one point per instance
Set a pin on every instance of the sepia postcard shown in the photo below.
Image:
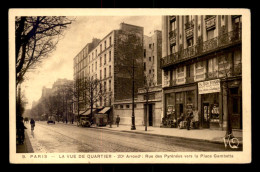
(92, 86)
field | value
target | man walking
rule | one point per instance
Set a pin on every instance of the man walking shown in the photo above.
(117, 120)
(189, 117)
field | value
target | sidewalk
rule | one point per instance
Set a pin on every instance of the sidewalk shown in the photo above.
(26, 147)
(209, 135)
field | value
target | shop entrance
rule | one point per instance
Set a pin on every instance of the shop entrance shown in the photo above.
(150, 113)
(236, 108)
(205, 115)
(179, 110)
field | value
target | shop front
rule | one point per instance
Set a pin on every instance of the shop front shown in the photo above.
(177, 101)
(210, 102)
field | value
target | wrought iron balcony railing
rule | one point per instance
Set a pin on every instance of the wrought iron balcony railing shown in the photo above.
(189, 24)
(172, 36)
(202, 48)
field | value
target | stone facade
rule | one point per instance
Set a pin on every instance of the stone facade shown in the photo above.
(196, 51)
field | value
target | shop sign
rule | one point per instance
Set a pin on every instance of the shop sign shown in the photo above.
(211, 86)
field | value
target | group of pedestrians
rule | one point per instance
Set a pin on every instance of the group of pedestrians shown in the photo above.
(189, 117)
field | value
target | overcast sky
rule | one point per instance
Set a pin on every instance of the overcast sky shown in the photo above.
(81, 32)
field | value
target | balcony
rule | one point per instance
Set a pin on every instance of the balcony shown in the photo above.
(172, 18)
(172, 36)
(189, 25)
(202, 48)
(210, 22)
(237, 69)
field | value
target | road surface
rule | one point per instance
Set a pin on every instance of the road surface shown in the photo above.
(67, 138)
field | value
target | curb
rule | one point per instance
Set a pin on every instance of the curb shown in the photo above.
(167, 136)
(28, 145)
(159, 135)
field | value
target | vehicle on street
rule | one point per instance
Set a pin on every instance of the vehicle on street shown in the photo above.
(85, 121)
(51, 119)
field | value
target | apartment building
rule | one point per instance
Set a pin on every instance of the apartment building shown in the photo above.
(202, 68)
(111, 61)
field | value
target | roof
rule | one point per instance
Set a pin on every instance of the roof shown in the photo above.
(104, 110)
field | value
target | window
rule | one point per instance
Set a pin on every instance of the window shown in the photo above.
(144, 53)
(96, 52)
(150, 59)
(210, 34)
(190, 42)
(109, 86)
(188, 71)
(105, 59)
(109, 70)
(95, 66)
(109, 40)
(153, 58)
(150, 45)
(105, 44)
(92, 55)
(100, 61)
(150, 71)
(105, 72)
(109, 56)
(173, 49)
(121, 106)
(105, 87)
(100, 74)
(100, 48)
(144, 66)
(127, 106)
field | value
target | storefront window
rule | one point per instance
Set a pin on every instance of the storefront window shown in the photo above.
(190, 97)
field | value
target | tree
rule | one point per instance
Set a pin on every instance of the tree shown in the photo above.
(35, 38)
(93, 92)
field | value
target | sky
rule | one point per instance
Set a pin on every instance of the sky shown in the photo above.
(60, 62)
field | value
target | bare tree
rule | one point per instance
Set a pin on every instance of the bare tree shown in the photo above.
(35, 38)
(93, 92)
(78, 96)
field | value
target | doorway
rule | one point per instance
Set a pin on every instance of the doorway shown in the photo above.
(205, 115)
(150, 115)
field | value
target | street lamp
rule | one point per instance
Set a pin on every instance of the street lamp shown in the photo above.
(133, 93)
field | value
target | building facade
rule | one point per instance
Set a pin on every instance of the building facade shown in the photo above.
(152, 56)
(202, 68)
(123, 108)
(111, 61)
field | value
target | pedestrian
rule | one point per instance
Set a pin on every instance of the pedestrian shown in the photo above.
(117, 120)
(181, 118)
(32, 122)
(189, 117)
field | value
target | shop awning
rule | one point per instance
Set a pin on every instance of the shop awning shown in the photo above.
(105, 110)
(89, 111)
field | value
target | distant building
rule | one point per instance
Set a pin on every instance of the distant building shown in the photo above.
(202, 68)
(111, 60)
